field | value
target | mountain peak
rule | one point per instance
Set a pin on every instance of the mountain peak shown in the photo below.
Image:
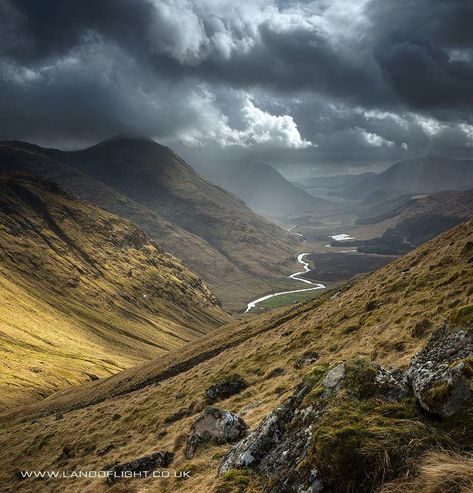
(126, 140)
(135, 147)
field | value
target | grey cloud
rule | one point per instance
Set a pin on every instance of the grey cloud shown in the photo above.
(367, 83)
(426, 51)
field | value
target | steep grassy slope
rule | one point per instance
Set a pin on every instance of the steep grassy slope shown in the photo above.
(235, 251)
(84, 293)
(386, 316)
(451, 204)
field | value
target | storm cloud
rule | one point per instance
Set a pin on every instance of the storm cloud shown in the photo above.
(325, 83)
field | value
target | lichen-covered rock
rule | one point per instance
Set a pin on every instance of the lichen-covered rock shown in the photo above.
(215, 426)
(261, 443)
(366, 379)
(441, 374)
(225, 387)
(334, 377)
(282, 442)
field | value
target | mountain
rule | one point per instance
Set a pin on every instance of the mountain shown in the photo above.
(238, 253)
(425, 175)
(452, 204)
(85, 293)
(414, 221)
(457, 205)
(264, 189)
(335, 410)
(336, 181)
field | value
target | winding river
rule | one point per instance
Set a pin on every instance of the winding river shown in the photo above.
(295, 276)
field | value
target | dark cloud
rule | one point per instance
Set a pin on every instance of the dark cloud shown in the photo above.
(292, 82)
(50, 28)
(426, 52)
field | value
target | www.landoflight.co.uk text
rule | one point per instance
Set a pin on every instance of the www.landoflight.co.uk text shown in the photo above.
(162, 473)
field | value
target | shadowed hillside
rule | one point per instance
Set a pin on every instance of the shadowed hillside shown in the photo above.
(85, 293)
(424, 175)
(264, 189)
(237, 252)
(415, 221)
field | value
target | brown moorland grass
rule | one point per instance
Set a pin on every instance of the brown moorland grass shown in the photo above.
(125, 416)
(84, 293)
(439, 472)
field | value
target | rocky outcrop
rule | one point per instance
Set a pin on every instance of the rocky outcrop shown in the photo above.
(341, 415)
(225, 387)
(142, 465)
(441, 374)
(258, 449)
(214, 426)
(282, 441)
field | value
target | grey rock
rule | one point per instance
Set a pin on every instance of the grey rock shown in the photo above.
(334, 376)
(392, 384)
(439, 374)
(214, 425)
(250, 451)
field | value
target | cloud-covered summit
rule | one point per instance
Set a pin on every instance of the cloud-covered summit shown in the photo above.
(332, 82)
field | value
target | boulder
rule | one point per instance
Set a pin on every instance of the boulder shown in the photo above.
(276, 372)
(225, 387)
(334, 376)
(306, 359)
(144, 465)
(441, 374)
(214, 426)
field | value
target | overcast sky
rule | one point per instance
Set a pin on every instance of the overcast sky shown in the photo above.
(328, 85)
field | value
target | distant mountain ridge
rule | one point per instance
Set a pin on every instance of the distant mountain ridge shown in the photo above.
(264, 189)
(424, 175)
(212, 231)
(335, 181)
(417, 220)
